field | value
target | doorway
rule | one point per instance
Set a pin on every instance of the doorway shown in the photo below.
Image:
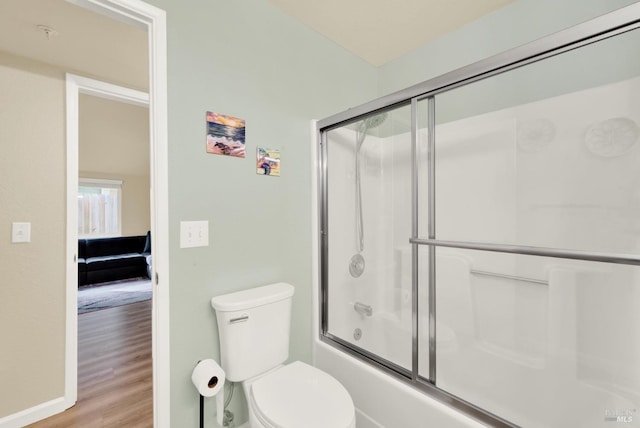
(82, 91)
(153, 19)
(113, 204)
(63, 394)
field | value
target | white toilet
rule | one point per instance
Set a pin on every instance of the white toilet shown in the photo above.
(254, 329)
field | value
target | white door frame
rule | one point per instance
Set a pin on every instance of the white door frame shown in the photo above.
(141, 14)
(76, 85)
(153, 20)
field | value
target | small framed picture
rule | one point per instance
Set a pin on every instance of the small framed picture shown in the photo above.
(268, 161)
(225, 135)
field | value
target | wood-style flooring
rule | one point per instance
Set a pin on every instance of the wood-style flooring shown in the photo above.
(114, 371)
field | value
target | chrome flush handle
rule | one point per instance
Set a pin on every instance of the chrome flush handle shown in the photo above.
(243, 318)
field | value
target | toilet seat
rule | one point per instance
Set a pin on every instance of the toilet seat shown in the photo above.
(299, 395)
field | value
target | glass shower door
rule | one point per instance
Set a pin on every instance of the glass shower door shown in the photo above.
(542, 157)
(368, 265)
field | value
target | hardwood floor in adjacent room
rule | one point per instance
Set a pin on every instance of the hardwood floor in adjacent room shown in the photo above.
(114, 371)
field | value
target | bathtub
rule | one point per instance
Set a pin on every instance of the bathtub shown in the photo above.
(382, 401)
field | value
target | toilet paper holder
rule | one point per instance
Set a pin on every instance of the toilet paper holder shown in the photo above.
(209, 378)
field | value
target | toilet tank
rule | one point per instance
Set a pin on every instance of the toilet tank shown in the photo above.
(253, 326)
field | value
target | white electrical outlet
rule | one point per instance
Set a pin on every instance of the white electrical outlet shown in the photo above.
(194, 234)
(20, 232)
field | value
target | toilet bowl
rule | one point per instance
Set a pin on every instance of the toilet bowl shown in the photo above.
(254, 326)
(298, 395)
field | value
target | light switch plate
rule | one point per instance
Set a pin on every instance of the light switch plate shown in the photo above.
(20, 232)
(194, 234)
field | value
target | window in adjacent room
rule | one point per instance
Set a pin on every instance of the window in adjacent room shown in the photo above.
(99, 207)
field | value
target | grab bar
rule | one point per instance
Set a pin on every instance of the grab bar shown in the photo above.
(503, 275)
(363, 309)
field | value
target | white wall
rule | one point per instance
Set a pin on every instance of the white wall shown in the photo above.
(249, 60)
(114, 136)
(32, 189)
(114, 144)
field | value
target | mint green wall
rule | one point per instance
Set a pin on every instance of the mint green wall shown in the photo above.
(516, 24)
(245, 59)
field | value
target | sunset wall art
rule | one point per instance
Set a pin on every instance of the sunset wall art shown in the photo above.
(225, 135)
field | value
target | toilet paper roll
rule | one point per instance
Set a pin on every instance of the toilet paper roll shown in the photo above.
(208, 378)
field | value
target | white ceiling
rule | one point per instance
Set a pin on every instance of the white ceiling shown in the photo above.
(379, 31)
(113, 136)
(87, 43)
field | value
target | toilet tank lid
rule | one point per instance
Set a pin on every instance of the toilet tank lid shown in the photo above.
(253, 297)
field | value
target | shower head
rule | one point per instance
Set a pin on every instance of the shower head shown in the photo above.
(366, 124)
(374, 121)
(361, 133)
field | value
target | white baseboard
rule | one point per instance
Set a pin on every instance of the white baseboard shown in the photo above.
(34, 414)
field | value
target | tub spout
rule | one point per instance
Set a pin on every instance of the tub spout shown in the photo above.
(363, 309)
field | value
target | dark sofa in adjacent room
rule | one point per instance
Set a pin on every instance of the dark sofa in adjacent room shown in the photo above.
(112, 259)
